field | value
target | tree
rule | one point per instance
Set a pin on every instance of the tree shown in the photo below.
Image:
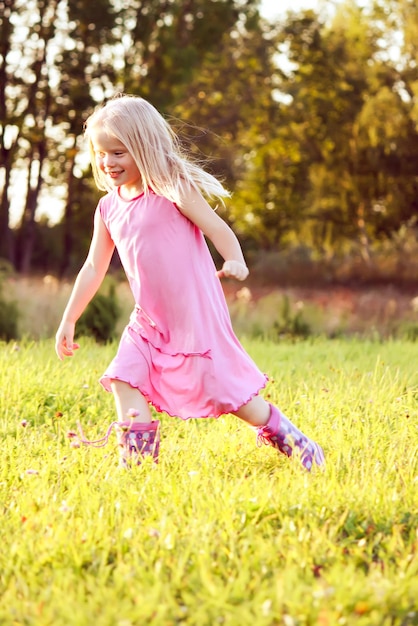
(34, 131)
(320, 147)
(341, 146)
(10, 118)
(166, 43)
(228, 111)
(327, 84)
(86, 76)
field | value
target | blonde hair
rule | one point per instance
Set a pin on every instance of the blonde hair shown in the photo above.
(154, 146)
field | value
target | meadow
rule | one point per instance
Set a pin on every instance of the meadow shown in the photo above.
(220, 531)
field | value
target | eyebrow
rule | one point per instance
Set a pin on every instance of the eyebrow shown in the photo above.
(112, 149)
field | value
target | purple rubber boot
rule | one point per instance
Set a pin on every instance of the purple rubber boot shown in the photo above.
(138, 441)
(280, 433)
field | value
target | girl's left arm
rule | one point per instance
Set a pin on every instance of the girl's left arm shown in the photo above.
(198, 211)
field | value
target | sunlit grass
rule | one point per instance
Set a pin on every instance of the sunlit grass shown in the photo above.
(220, 532)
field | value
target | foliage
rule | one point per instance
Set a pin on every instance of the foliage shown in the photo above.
(392, 260)
(100, 317)
(312, 121)
(409, 331)
(348, 307)
(9, 318)
(336, 163)
(290, 323)
(9, 309)
(221, 530)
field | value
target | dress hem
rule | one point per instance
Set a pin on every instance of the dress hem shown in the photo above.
(159, 409)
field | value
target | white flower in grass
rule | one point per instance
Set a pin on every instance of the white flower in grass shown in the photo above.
(128, 534)
(266, 607)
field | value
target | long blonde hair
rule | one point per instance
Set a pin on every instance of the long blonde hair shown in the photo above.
(155, 147)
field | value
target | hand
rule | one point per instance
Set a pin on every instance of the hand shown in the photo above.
(64, 344)
(233, 269)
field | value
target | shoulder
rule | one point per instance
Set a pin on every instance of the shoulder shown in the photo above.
(192, 204)
(106, 203)
(108, 197)
(190, 195)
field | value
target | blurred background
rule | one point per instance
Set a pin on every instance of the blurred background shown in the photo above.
(307, 110)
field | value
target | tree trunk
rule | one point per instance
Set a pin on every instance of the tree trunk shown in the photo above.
(6, 235)
(364, 239)
(68, 214)
(28, 226)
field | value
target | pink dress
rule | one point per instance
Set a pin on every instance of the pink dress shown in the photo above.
(179, 348)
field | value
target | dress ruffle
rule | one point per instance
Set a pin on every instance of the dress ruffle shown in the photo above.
(181, 385)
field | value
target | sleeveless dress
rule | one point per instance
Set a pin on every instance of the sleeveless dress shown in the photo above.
(179, 348)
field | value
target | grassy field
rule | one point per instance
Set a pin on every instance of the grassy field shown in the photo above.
(220, 532)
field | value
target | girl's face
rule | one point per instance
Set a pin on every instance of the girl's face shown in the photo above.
(114, 160)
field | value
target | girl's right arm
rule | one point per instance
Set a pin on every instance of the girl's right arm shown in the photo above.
(87, 283)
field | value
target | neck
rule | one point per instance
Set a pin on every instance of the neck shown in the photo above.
(129, 193)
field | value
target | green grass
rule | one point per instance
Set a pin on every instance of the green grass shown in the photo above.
(220, 532)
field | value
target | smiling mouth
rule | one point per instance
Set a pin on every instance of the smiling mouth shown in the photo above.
(114, 174)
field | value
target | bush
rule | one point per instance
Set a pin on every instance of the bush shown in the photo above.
(9, 310)
(408, 331)
(290, 323)
(9, 316)
(100, 317)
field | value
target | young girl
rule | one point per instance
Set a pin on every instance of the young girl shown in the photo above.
(178, 353)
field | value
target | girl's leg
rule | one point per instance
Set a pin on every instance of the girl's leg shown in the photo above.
(256, 412)
(129, 398)
(275, 429)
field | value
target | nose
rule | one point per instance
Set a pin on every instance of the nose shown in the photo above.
(107, 161)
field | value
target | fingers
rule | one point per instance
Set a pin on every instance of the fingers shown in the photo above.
(233, 269)
(68, 350)
(64, 346)
(64, 340)
(63, 350)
